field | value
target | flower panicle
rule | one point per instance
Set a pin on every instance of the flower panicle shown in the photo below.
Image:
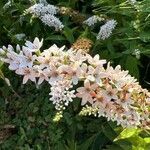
(109, 92)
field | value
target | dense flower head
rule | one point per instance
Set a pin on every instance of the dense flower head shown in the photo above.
(46, 13)
(106, 29)
(106, 91)
(40, 9)
(93, 20)
(52, 21)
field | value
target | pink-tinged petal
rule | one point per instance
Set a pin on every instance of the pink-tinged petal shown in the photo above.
(20, 71)
(32, 78)
(91, 78)
(84, 100)
(41, 79)
(38, 44)
(81, 90)
(94, 86)
(86, 84)
(29, 44)
(91, 70)
(25, 79)
(13, 66)
(96, 57)
(79, 95)
(84, 67)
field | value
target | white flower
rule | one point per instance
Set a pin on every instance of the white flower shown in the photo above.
(137, 53)
(20, 36)
(132, 2)
(49, 9)
(43, 73)
(96, 61)
(95, 74)
(43, 2)
(28, 73)
(35, 9)
(7, 5)
(106, 29)
(35, 46)
(52, 21)
(16, 61)
(93, 20)
(86, 92)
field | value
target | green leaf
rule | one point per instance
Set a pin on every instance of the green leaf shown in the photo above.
(147, 140)
(87, 143)
(68, 34)
(132, 66)
(56, 38)
(127, 133)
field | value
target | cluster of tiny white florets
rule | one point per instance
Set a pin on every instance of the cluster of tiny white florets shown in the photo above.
(61, 95)
(46, 13)
(20, 36)
(52, 21)
(109, 92)
(137, 53)
(106, 29)
(89, 110)
(7, 5)
(58, 116)
(43, 2)
(132, 2)
(93, 20)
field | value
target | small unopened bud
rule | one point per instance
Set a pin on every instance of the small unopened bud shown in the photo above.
(7, 81)
(10, 48)
(18, 48)
(2, 52)
(4, 48)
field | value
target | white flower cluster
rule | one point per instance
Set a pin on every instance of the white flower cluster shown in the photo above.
(132, 2)
(46, 13)
(93, 20)
(106, 29)
(43, 2)
(137, 53)
(20, 36)
(52, 21)
(7, 5)
(61, 95)
(109, 92)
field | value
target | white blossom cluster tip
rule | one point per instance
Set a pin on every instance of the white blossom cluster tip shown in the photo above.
(109, 92)
(93, 20)
(46, 13)
(52, 21)
(106, 29)
(20, 36)
(7, 5)
(137, 53)
(61, 95)
(132, 2)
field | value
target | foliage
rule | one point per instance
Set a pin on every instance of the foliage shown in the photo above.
(30, 111)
